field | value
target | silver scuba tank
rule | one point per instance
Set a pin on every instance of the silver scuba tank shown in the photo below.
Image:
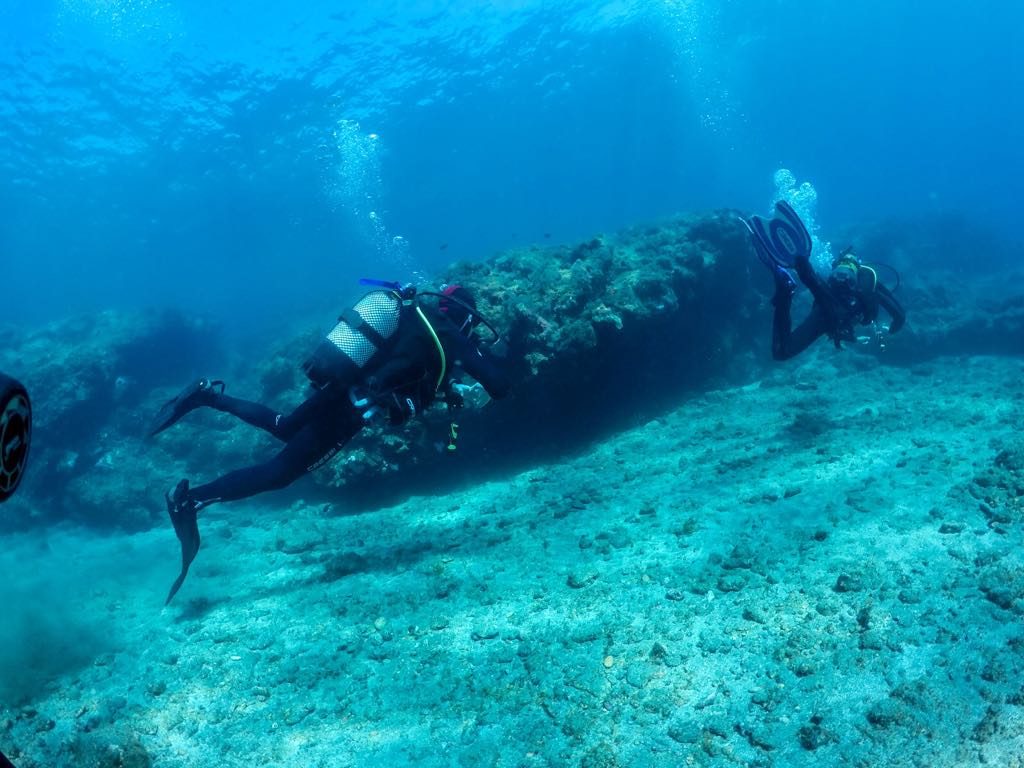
(362, 331)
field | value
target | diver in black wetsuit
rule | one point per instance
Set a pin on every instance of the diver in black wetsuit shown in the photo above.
(851, 295)
(391, 355)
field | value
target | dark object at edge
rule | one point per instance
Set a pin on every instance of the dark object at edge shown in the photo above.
(15, 435)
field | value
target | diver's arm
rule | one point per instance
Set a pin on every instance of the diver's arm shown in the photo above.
(487, 368)
(490, 371)
(892, 306)
(403, 363)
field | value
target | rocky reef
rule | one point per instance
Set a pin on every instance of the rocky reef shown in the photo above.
(963, 287)
(601, 334)
(92, 380)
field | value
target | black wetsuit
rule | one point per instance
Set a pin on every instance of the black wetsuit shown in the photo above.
(403, 383)
(836, 310)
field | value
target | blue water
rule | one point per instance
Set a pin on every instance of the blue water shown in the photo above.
(246, 159)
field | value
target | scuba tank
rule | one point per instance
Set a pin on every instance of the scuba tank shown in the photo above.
(361, 333)
(371, 326)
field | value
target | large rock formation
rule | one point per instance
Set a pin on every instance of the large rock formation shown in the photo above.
(92, 381)
(600, 334)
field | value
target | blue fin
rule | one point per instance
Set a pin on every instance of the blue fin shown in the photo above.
(197, 393)
(789, 232)
(784, 239)
(761, 232)
(763, 252)
(780, 270)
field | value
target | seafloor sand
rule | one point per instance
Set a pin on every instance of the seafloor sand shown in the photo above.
(800, 572)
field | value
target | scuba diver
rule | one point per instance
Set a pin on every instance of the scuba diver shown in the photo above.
(851, 295)
(389, 356)
(15, 434)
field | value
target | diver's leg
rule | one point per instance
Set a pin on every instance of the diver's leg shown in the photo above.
(311, 447)
(788, 342)
(782, 320)
(210, 394)
(255, 414)
(319, 407)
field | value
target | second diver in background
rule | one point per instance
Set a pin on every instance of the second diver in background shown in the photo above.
(851, 295)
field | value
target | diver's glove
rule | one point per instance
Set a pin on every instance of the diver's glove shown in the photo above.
(364, 401)
(371, 404)
(474, 394)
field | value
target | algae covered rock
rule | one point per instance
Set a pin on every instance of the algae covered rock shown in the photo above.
(566, 301)
(999, 488)
(599, 334)
(596, 333)
(89, 378)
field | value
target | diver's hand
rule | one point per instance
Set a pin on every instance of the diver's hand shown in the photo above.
(474, 394)
(367, 403)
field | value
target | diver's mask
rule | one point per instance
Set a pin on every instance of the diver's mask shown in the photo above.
(844, 271)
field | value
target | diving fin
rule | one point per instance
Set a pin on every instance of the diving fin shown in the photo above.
(183, 512)
(780, 271)
(784, 239)
(794, 238)
(191, 397)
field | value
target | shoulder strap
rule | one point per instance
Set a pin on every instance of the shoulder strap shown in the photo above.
(355, 320)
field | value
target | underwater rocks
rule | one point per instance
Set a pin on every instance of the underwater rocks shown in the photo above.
(950, 315)
(626, 605)
(597, 332)
(564, 301)
(611, 329)
(91, 379)
(999, 490)
(602, 333)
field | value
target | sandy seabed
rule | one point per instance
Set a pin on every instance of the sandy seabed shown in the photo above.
(821, 568)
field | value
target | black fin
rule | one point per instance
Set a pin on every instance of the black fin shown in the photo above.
(188, 399)
(183, 512)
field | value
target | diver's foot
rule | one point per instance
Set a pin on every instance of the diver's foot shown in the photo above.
(183, 511)
(196, 394)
